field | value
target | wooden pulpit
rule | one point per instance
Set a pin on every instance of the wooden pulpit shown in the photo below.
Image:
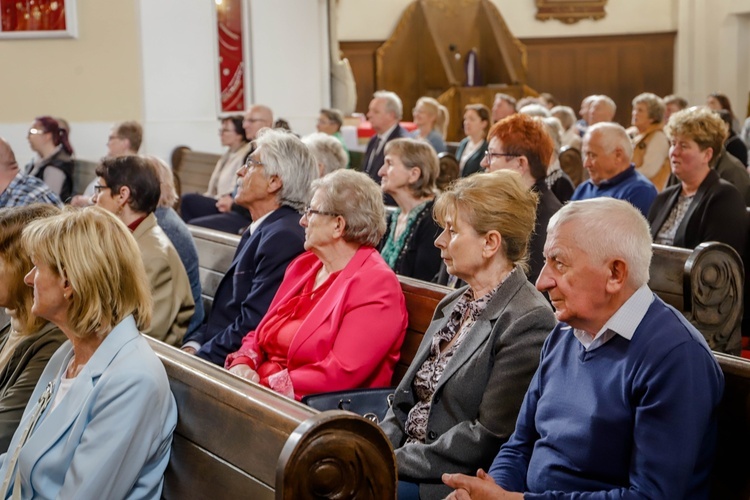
(427, 56)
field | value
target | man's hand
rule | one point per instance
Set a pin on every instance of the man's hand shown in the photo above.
(190, 350)
(245, 371)
(224, 204)
(482, 487)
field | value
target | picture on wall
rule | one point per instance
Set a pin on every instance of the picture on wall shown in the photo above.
(37, 19)
(231, 55)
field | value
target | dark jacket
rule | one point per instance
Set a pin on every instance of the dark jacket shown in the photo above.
(473, 163)
(419, 258)
(20, 375)
(249, 285)
(62, 161)
(717, 213)
(546, 207)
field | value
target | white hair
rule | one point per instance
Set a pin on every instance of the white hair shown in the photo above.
(327, 150)
(535, 109)
(283, 154)
(613, 135)
(606, 229)
(392, 102)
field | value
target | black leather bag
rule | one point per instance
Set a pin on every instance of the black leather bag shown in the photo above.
(371, 404)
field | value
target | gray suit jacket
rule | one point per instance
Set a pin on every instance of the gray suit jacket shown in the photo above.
(476, 402)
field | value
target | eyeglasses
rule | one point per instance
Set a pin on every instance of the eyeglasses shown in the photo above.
(99, 188)
(254, 120)
(36, 131)
(488, 156)
(113, 137)
(310, 211)
(250, 163)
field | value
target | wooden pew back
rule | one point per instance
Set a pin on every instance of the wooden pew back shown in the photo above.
(193, 170)
(245, 441)
(731, 480)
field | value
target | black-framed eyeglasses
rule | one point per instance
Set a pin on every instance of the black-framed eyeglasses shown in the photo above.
(489, 156)
(99, 188)
(311, 211)
(250, 163)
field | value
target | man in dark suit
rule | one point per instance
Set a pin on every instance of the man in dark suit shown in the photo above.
(274, 184)
(384, 113)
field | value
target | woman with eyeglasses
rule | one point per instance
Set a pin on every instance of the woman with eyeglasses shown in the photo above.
(219, 197)
(408, 175)
(339, 317)
(129, 187)
(49, 139)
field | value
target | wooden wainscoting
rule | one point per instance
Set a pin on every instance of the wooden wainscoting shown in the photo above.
(620, 66)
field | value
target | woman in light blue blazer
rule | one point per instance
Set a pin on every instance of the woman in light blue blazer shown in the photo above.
(100, 421)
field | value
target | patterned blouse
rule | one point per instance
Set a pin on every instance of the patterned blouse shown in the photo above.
(668, 230)
(463, 317)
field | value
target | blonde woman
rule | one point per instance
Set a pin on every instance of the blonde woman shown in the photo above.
(431, 119)
(99, 423)
(28, 341)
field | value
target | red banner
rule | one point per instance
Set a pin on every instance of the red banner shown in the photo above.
(231, 60)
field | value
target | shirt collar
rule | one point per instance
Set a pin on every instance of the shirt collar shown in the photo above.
(623, 322)
(254, 225)
(385, 135)
(612, 181)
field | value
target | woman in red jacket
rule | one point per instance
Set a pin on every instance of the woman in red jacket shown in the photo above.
(339, 317)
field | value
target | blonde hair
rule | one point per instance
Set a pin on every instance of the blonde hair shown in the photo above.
(17, 262)
(701, 125)
(168, 196)
(98, 256)
(437, 110)
(357, 199)
(496, 201)
(419, 154)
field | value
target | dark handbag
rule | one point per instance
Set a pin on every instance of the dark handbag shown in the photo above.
(371, 404)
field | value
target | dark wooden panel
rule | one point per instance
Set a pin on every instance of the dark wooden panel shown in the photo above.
(620, 66)
(361, 57)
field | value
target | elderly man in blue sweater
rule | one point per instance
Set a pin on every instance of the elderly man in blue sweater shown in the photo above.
(623, 404)
(606, 157)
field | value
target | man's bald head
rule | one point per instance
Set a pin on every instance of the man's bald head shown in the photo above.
(257, 117)
(7, 158)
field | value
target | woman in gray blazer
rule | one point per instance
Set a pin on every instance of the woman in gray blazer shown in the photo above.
(459, 400)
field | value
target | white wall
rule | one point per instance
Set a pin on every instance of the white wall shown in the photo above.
(361, 20)
(712, 36)
(288, 68)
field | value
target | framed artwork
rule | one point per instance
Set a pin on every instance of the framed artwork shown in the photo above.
(38, 19)
(232, 25)
(570, 11)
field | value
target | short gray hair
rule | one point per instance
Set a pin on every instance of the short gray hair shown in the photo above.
(554, 129)
(565, 114)
(284, 155)
(655, 106)
(608, 228)
(358, 200)
(327, 150)
(392, 102)
(606, 100)
(613, 136)
(534, 109)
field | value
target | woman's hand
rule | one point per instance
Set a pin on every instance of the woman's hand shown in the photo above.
(246, 372)
(224, 204)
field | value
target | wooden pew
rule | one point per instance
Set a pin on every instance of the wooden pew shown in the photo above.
(705, 284)
(677, 276)
(731, 480)
(193, 169)
(236, 439)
